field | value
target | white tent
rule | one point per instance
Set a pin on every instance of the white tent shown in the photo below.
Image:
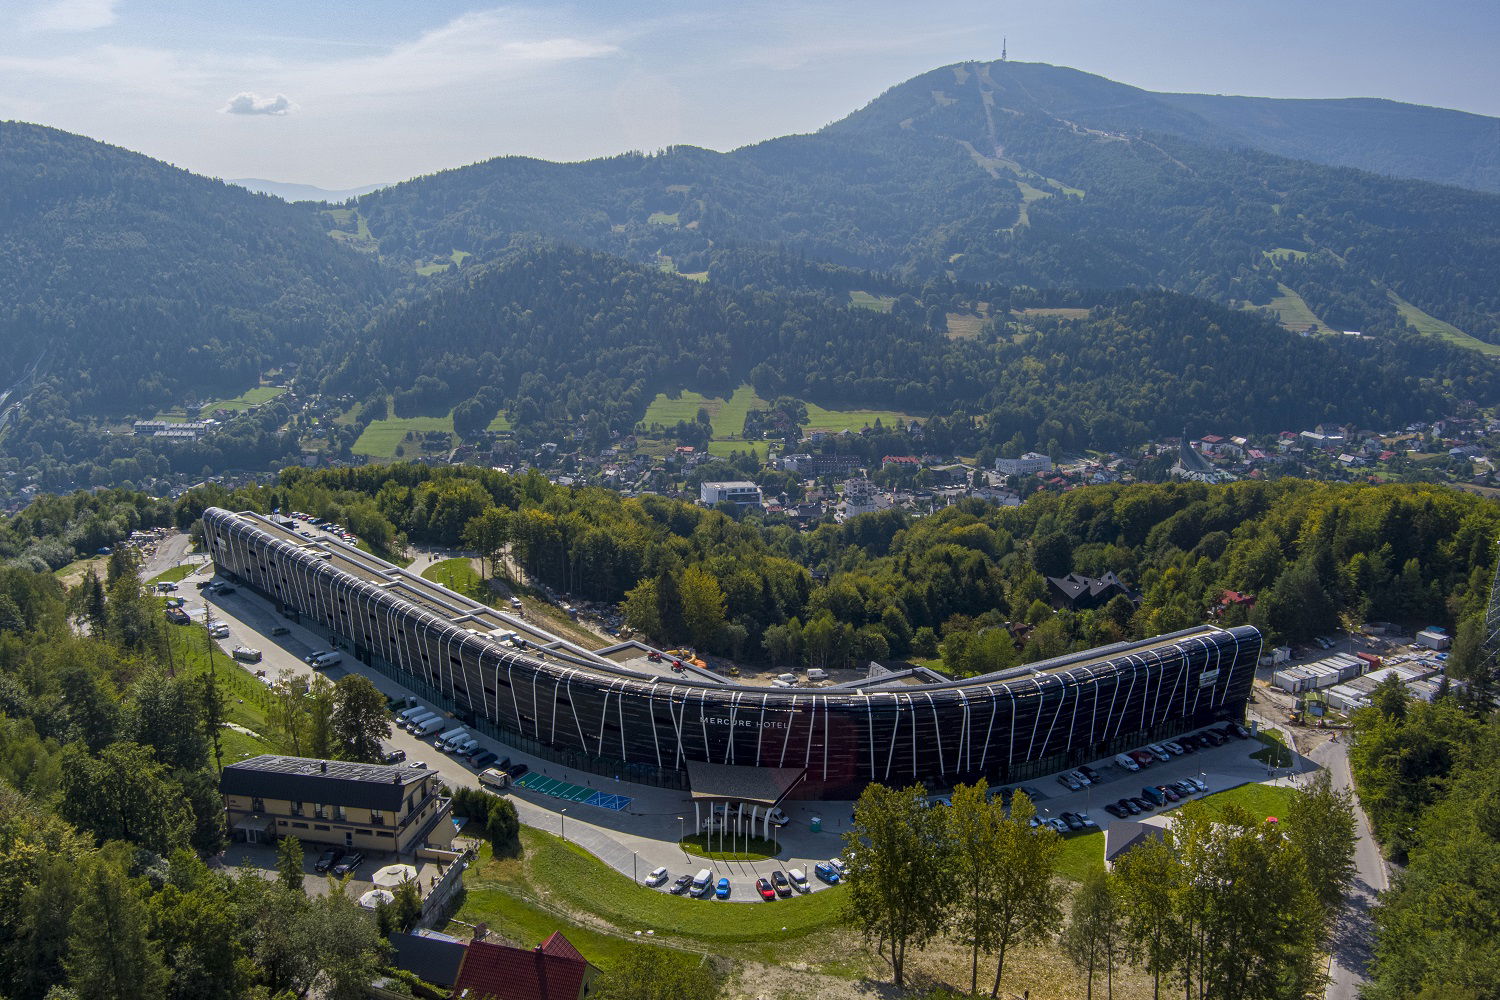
(375, 897)
(392, 876)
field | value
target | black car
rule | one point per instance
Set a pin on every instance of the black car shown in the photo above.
(1131, 809)
(483, 760)
(347, 864)
(1091, 774)
(1142, 804)
(328, 859)
(395, 756)
(683, 883)
(782, 883)
(225, 589)
(281, 630)
(1074, 823)
(504, 764)
(1116, 810)
(1237, 731)
(519, 770)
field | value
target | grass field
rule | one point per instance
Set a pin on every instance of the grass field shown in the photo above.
(439, 265)
(500, 423)
(1292, 311)
(244, 401)
(380, 438)
(1275, 750)
(353, 229)
(556, 877)
(727, 417)
(662, 218)
(964, 326)
(723, 449)
(1284, 253)
(1062, 312)
(879, 303)
(1426, 323)
(698, 276)
(457, 575)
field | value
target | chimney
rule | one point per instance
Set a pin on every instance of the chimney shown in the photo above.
(325, 767)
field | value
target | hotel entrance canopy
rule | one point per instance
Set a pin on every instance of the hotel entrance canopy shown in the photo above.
(755, 786)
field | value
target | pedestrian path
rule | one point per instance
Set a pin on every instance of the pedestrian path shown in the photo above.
(559, 789)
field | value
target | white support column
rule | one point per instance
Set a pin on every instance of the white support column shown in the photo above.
(697, 820)
(754, 816)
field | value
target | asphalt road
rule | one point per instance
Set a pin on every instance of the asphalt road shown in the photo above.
(1353, 942)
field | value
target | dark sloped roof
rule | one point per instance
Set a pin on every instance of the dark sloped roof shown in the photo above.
(764, 786)
(435, 958)
(499, 971)
(331, 782)
(1075, 585)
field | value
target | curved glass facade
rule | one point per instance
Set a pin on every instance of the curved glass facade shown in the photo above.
(611, 720)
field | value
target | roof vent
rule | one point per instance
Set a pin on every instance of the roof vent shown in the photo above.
(325, 767)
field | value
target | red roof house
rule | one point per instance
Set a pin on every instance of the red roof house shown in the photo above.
(553, 970)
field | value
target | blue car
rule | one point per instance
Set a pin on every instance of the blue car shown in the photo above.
(827, 873)
(721, 891)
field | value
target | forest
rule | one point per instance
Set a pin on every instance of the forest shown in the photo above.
(610, 335)
(964, 589)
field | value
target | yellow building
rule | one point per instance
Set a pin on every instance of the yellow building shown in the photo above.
(367, 807)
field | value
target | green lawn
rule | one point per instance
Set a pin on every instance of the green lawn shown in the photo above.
(174, 574)
(723, 449)
(662, 218)
(1275, 749)
(457, 575)
(1080, 855)
(879, 303)
(500, 423)
(1284, 253)
(247, 698)
(353, 229)
(439, 264)
(530, 897)
(833, 421)
(755, 849)
(1426, 323)
(380, 437)
(1259, 800)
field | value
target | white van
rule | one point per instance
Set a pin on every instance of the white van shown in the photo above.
(328, 659)
(418, 721)
(450, 734)
(702, 882)
(429, 727)
(406, 715)
(466, 746)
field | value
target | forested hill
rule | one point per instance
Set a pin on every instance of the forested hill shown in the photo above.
(1380, 136)
(559, 337)
(134, 282)
(1009, 174)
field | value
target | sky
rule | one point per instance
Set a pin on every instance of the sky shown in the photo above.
(353, 92)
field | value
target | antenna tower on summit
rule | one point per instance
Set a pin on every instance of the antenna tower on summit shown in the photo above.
(1003, 40)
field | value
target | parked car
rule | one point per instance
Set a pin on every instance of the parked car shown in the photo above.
(657, 877)
(703, 883)
(826, 872)
(519, 769)
(681, 885)
(225, 589)
(799, 880)
(721, 890)
(766, 890)
(1094, 776)
(1238, 731)
(779, 880)
(1142, 804)
(1175, 749)
(418, 763)
(219, 630)
(395, 756)
(1131, 809)
(1073, 823)
(840, 867)
(1143, 757)
(1086, 821)
(1167, 793)
(280, 630)
(1127, 762)
(328, 859)
(347, 864)
(1080, 777)
(778, 818)
(483, 759)
(1116, 810)
(1198, 783)
(246, 654)
(1069, 782)
(1159, 752)
(1153, 795)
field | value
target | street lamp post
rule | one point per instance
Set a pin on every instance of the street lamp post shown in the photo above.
(634, 873)
(681, 837)
(562, 824)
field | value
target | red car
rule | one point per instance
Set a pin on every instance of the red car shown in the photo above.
(763, 886)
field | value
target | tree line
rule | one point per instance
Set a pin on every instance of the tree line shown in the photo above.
(1221, 905)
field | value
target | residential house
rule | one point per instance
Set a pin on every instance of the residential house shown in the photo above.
(1079, 593)
(553, 970)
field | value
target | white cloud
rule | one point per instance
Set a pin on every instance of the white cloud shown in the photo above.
(246, 103)
(74, 15)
